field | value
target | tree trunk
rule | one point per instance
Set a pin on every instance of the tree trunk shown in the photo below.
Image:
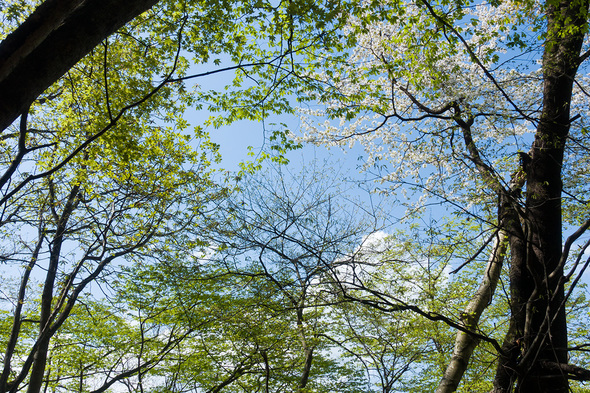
(50, 42)
(306, 368)
(45, 316)
(538, 330)
(466, 343)
(520, 286)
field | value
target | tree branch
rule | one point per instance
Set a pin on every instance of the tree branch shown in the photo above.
(52, 39)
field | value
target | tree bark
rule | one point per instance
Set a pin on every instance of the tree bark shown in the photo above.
(50, 42)
(45, 320)
(545, 330)
(520, 286)
(538, 331)
(464, 342)
(306, 367)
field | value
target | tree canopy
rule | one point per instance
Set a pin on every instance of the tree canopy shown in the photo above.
(475, 106)
(130, 261)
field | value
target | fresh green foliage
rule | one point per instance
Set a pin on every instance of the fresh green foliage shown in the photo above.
(129, 262)
(104, 173)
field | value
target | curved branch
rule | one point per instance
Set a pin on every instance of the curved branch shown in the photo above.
(474, 58)
(52, 39)
(112, 123)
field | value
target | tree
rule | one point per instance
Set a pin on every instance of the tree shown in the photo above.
(101, 170)
(56, 36)
(259, 288)
(64, 32)
(448, 98)
(87, 219)
(285, 233)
